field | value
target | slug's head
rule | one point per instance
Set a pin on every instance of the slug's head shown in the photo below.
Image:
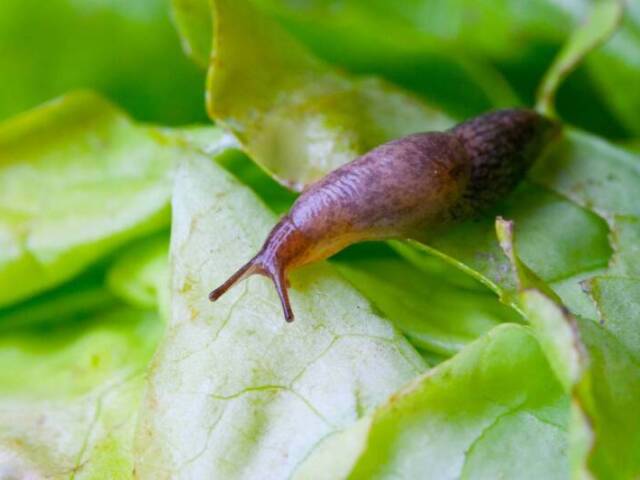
(284, 248)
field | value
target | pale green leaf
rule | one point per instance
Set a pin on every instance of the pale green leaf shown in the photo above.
(140, 276)
(433, 314)
(77, 180)
(597, 364)
(619, 310)
(475, 416)
(69, 396)
(296, 116)
(625, 238)
(592, 173)
(235, 391)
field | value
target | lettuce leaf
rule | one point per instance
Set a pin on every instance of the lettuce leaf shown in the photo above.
(295, 115)
(234, 391)
(77, 180)
(71, 301)
(398, 38)
(477, 415)
(596, 363)
(139, 275)
(458, 83)
(69, 395)
(583, 189)
(434, 314)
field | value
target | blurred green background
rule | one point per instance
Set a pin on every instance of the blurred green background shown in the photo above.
(128, 50)
(463, 56)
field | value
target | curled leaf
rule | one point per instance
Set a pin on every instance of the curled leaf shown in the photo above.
(474, 416)
(296, 116)
(601, 24)
(597, 365)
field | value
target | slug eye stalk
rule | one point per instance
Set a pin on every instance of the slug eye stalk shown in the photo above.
(257, 266)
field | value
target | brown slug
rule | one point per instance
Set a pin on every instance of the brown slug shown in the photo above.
(400, 189)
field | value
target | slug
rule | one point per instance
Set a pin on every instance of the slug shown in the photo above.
(421, 182)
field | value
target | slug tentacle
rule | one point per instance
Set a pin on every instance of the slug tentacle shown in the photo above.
(285, 247)
(402, 189)
(246, 270)
(280, 281)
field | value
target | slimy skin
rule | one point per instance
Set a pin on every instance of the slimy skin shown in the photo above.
(401, 189)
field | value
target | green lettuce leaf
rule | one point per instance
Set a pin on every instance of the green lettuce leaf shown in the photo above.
(458, 83)
(463, 22)
(433, 313)
(476, 415)
(77, 180)
(69, 395)
(369, 39)
(597, 363)
(618, 63)
(140, 275)
(194, 21)
(295, 115)
(592, 173)
(564, 217)
(71, 301)
(603, 21)
(398, 39)
(625, 238)
(234, 391)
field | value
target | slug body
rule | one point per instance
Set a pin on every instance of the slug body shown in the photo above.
(401, 189)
